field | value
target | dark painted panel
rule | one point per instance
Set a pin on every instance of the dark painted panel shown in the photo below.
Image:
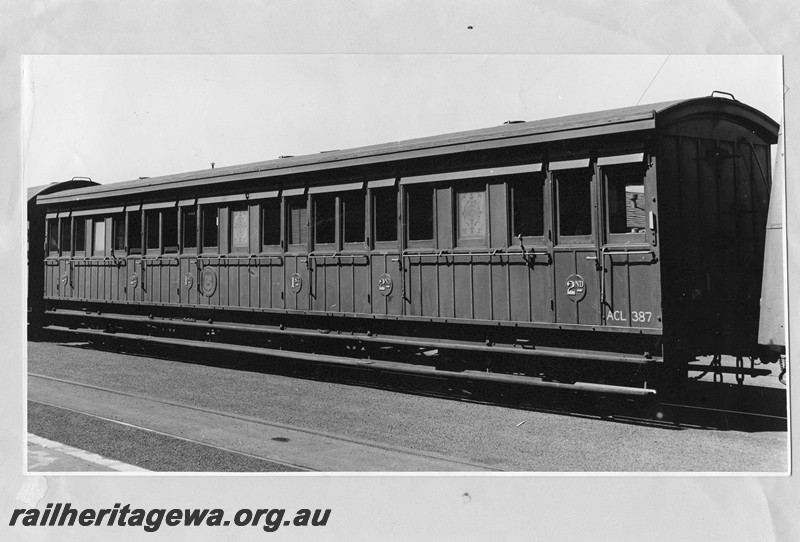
(563, 267)
(48, 280)
(81, 282)
(463, 278)
(75, 277)
(221, 293)
(746, 196)
(122, 281)
(500, 294)
(443, 221)
(413, 273)
(361, 289)
(113, 283)
(617, 310)
(255, 227)
(175, 282)
(393, 302)
(346, 272)
(568, 308)
(541, 291)
(101, 281)
(235, 284)
(299, 300)
(645, 297)
(318, 277)
(727, 189)
(481, 288)
(149, 286)
(378, 266)
(498, 216)
(430, 302)
(224, 235)
(447, 288)
(589, 307)
(94, 281)
(708, 190)
(689, 190)
(520, 287)
(102, 287)
(253, 283)
(146, 282)
(276, 274)
(194, 291)
(333, 301)
(164, 277)
(132, 292)
(265, 286)
(223, 282)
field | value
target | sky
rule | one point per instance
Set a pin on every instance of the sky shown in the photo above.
(116, 117)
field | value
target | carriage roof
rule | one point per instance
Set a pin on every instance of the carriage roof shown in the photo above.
(628, 119)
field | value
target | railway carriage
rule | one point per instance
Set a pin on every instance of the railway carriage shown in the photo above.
(611, 247)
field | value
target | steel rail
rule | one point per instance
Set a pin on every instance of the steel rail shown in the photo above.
(249, 419)
(162, 433)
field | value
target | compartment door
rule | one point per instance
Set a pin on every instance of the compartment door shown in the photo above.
(576, 252)
(630, 294)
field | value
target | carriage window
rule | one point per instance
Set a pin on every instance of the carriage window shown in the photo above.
(574, 202)
(99, 237)
(298, 221)
(353, 216)
(151, 229)
(189, 223)
(419, 210)
(169, 230)
(271, 223)
(117, 232)
(324, 219)
(66, 235)
(384, 214)
(52, 235)
(240, 229)
(210, 227)
(527, 206)
(80, 236)
(625, 199)
(471, 217)
(135, 232)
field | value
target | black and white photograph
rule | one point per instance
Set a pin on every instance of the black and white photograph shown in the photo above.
(372, 271)
(406, 263)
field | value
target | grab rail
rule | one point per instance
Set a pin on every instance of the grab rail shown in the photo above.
(335, 255)
(499, 252)
(224, 260)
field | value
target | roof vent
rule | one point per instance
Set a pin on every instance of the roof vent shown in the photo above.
(722, 92)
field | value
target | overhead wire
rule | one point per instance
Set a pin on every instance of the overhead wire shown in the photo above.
(653, 79)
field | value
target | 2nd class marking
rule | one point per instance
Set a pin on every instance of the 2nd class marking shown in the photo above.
(576, 288)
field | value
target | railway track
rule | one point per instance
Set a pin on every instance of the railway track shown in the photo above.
(704, 404)
(511, 428)
(284, 447)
